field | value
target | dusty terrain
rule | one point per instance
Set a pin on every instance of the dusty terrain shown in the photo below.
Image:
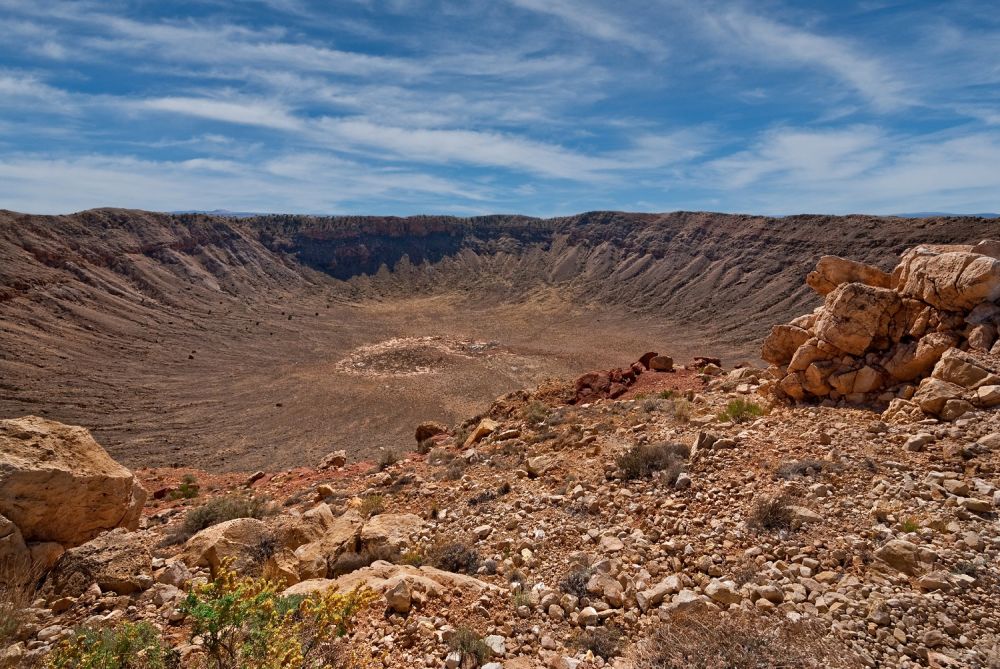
(247, 344)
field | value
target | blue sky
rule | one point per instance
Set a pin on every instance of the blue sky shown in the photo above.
(542, 107)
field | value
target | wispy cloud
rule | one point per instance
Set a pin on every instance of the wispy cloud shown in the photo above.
(246, 112)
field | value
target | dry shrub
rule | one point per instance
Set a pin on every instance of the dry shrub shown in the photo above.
(743, 640)
(575, 581)
(453, 555)
(642, 460)
(219, 510)
(605, 642)
(771, 513)
(372, 505)
(18, 578)
(386, 458)
(808, 467)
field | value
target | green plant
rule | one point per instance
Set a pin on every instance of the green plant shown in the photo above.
(910, 525)
(372, 505)
(604, 642)
(412, 557)
(467, 642)
(665, 394)
(124, 646)
(642, 460)
(245, 623)
(187, 489)
(741, 411)
(522, 598)
(219, 510)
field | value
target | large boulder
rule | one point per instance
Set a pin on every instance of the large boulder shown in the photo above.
(780, 345)
(117, 561)
(949, 280)
(856, 317)
(242, 541)
(832, 271)
(383, 577)
(58, 484)
(393, 530)
(915, 359)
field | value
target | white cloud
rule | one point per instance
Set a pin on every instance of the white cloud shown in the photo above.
(247, 112)
(765, 40)
(598, 23)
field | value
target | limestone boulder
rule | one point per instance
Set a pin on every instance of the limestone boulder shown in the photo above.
(383, 577)
(933, 394)
(485, 428)
(782, 343)
(949, 280)
(58, 484)
(292, 531)
(117, 561)
(915, 360)
(239, 540)
(393, 530)
(965, 369)
(832, 271)
(856, 317)
(661, 363)
(13, 551)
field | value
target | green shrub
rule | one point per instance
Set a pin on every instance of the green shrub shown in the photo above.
(188, 488)
(467, 642)
(910, 525)
(741, 411)
(535, 412)
(124, 646)
(665, 394)
(642, 460)
(245, 623)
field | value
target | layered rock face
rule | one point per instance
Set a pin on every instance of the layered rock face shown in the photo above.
(882, 337)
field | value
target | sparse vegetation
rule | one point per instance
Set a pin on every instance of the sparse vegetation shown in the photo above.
(371, 505)
(18, 578)
(535, 412)
(123, 646)
(424, 447)
(188, 488)
(490, 495)
(771, 513)
(219, 510)
(387, 457)
(682, 410)
(454, 555)
(711, 640)
(741, 411)
(605, 642)
(575, 581)
(909, 525)
(642, 460)
(245, 623)
(470, 644)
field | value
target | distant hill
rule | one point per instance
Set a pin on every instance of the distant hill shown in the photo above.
(941, 214)
(220, 212)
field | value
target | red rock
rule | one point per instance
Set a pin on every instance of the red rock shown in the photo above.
(646, 357)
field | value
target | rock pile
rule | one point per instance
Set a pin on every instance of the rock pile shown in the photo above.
(612, 383)
(879, 336)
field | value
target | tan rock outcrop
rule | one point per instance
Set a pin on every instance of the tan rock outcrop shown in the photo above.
(238, 540)
(58, 484)
(878, 335)
(382, 577)
(832, 271)
(117, 561)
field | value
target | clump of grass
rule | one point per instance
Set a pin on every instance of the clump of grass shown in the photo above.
(440, 456)
(605, 642)
(386, 458)
(741, 411)
(705, 639)
(682, 410)
(574, 582)
(910, 525)
(372, 505)
(665, 394)
(219, 510)
(18, 578)
(771, 513)
(522, 598)
(188, 488)
(424, 447)
(471, 645)
(125, 645)
(642, 460)
(455, 469)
